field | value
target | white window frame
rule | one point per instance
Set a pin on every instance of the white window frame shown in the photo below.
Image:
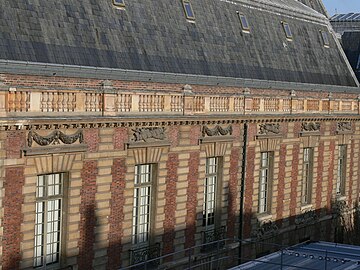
(211, 192)
(307, 175)
(265, 181)
(143, 203)
(48, 220)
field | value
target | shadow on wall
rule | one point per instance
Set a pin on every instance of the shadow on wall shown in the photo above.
(220, 249)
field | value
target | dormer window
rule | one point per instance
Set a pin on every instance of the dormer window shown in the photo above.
(119, 3)
(189, 13)
(325, 39)
(244, 23)
(287, 30)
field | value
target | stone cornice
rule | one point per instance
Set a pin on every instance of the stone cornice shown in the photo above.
(115, 122)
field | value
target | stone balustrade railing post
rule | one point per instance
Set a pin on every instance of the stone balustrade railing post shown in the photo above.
(331, 103)
(247, 101)
(293, 102)
(35, 101)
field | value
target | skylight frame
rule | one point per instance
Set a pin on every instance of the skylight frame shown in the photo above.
(189, 12)
(244, 23)
(287, 31)
(325, 38)
(119, 3)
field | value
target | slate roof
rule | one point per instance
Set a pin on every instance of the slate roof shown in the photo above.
(155, 36)
(351, 45)
(310, 256)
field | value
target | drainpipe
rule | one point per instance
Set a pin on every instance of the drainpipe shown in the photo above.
(242, 190)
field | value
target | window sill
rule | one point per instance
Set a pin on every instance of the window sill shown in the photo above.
(306, 207)
(264, 217)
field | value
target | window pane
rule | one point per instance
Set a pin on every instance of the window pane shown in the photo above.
(48, 219)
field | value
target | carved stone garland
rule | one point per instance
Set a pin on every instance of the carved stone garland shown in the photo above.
(343, 127)
(148, 134)
(55, 138)
(216, 131)
(310, 127)
(269, 129)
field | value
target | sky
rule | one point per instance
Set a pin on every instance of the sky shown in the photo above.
(342, 6)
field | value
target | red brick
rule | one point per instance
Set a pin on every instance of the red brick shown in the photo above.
(120, 138)
(116, 218)
(13, 200)
(91, 138)
(294, 182)
(233, 192)
(15, 141)
(174, 133)
(195, 134)
(319, 179)
(191, 204)
(249, 184)
(330, 176)
(87, 214)
(252, 131)
(172, 165)
(281, 186)
(351, 173)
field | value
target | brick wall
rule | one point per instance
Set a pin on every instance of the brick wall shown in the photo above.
(249, 190)
(294, 183)
(91, 138)
(87, 214)
(120, 138)
(13, 217)
(15, 141)
(117, 215)
(233, 192)
(191, 204)
(170, 203)
(319, 179)
(281, 186)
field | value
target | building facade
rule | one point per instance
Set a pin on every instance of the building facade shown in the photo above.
(127, 135)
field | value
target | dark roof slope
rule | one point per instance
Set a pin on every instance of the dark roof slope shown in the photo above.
(351, 45)
(155, 36)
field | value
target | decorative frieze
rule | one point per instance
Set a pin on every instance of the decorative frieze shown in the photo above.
(343, 127)
(148, 134)
(310, 127)
(54, 138)
(216, 131)
(269, 129)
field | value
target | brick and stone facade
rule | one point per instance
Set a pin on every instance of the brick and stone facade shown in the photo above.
(99, 188)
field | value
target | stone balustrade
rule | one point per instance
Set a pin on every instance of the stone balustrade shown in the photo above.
(17, 102)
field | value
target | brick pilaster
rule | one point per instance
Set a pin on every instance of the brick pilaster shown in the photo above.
(116, 218)
(281, 186)
(319, 178)
(249, 191)
(92, 139)
(233, 191)
(294, 182)
(330, 176)
(351, 173)
(191, 204)
(13, 200)
(87, 214)
(15, 141)
(172, 165)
